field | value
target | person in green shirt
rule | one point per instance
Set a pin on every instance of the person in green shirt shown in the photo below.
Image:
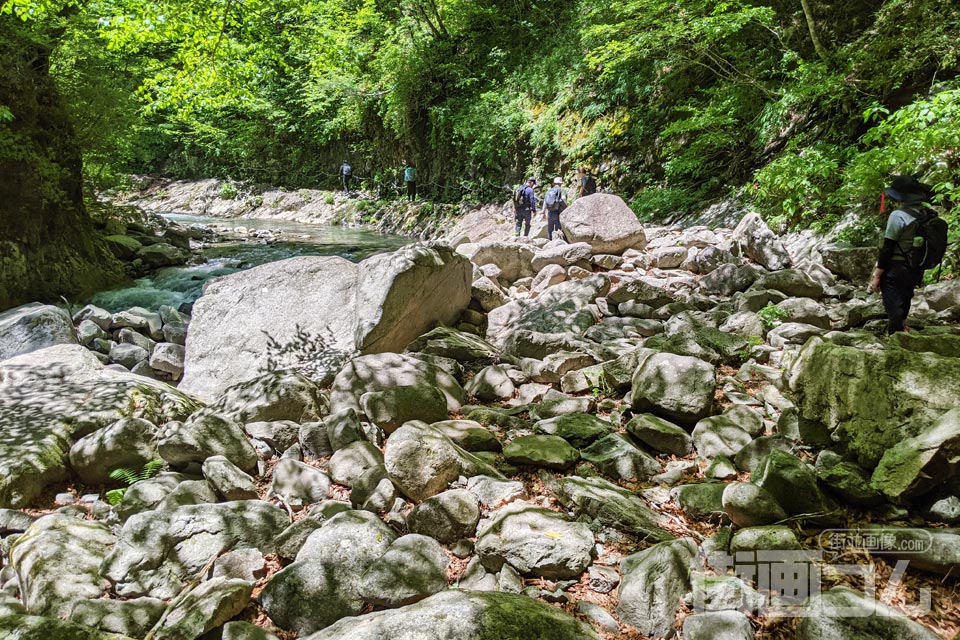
(410, 178)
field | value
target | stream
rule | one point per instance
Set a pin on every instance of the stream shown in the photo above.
(175, 286)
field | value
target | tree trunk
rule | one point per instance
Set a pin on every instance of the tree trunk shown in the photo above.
(812, 27)
(48, 245)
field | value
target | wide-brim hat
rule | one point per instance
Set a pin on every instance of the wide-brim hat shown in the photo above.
(908, 189)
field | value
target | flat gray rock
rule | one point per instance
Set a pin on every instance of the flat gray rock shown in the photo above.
(32, 327)
(844, 614)
(298, 483)
(446, 517)
(613, 506)
(129, 443)
(393, 406)
(207, 435)
(413, 568)
(619, 458)
(464, 615)
(275, 395)
(205, 608)
(563, 549)
(385, 370)
(551, 452)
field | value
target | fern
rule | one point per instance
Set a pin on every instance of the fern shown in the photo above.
(130, 476)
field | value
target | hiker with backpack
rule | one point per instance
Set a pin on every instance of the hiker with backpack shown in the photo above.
(410, 179)
(915, 240)
(553, 205)
(586, 185)
(524, 204)
(345, 174)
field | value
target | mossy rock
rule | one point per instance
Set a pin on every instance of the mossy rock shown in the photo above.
(24, 627)
(869, 400)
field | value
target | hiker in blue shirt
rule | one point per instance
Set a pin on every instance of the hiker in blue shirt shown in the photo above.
(895, 277)
(553, 205)
(410, 178)
(525, 206)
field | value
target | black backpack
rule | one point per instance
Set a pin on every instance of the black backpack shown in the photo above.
(930, 240)
(589, 185)
(519, 198)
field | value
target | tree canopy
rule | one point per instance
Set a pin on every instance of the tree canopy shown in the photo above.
(807, 106)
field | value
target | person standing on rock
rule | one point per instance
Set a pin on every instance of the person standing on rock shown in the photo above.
(586, 185)
(345, 174)
(553, 205)
(894, 276)
(410, 179)
(525, 205)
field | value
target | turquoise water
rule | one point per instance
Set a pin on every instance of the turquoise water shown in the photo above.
(178, 285)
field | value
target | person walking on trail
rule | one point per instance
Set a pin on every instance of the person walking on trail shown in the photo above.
(345, 174)
(586, 185)
(895, 277)
(410, 179)
(524, 204)
(553, 205)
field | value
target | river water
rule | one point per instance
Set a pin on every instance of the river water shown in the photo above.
(178, 285)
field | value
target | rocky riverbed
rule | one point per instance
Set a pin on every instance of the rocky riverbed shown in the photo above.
(633, 432)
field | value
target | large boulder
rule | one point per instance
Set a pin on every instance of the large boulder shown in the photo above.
(560, 309)
(679, 388)
(605, 222)
(323, 584)
(50, 397)
(654, 582)
(915, 466)
(422, 461)
(129, 443)
(514, 258)
(57, 561)
(563, 550)
(760, 243)
(383, 371)
(312, 313)
(34, 326)
(158, 552)
(464, 615)
(868, 400)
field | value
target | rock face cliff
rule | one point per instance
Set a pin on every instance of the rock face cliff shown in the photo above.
(48, 246)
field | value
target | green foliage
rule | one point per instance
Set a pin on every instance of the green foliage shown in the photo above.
(771, 315)
(131, 476)
(676, 104)
(801, 187)
(228, 191)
